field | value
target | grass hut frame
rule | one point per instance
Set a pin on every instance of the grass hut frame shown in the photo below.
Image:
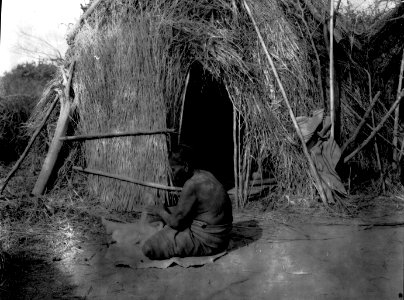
(133, 60)
(177, 65)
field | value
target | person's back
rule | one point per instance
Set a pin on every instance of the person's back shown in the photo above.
(213, 203)
(199, 224)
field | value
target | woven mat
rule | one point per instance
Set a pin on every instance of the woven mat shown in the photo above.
(127, 240)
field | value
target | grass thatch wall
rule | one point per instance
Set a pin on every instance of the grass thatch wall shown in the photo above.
(119, 82)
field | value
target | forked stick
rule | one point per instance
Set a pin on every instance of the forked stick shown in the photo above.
(56, 145)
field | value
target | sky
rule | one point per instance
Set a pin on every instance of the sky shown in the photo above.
(48, 20)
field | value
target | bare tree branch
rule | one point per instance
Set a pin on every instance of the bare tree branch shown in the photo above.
(37, 48)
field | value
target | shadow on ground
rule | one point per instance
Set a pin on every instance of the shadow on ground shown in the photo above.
(243, 234)
(27, 277)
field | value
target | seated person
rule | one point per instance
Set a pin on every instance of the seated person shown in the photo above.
(200, 223)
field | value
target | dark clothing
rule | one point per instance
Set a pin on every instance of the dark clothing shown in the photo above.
(198, 225)
(196, 240)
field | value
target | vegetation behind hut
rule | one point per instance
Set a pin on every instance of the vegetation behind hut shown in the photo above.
(27, 79)
(20, 89)
(14, 112)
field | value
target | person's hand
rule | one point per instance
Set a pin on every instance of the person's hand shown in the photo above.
(154, 209)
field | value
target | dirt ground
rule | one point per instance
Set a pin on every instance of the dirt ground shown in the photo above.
(273, 255)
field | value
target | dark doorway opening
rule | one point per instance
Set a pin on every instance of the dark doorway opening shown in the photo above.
(207, 125)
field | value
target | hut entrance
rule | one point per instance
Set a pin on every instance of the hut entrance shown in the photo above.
(207, 125)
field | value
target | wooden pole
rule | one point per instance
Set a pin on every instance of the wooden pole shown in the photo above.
(292, 115)
(235, 157)
(379, 162)
(127, 179)
(246, 173)
(362, 122)
(397, 115)
(184, 93)
(134, 181)
(391, 117)
(331, 67)
(393, 107)
(87, 137)
(239, 161)
(30, 143)
(85, 15)
(401, 150)
(56, 145)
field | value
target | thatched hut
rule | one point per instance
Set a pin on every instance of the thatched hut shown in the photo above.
(133, 60)
(197, 67)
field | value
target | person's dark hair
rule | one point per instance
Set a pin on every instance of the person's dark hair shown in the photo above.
(182, 155)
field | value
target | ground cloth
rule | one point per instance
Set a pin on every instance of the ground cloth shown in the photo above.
(127, 240)
(324, 151)
(200, 239)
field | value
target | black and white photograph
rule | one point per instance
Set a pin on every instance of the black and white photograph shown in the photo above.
(202, 149)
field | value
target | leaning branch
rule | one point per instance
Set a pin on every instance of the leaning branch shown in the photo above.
(397, 112)
(393, 107)
(363, 121)
(373, 128)
(128, 179)
(56, 145)
(291, 113)
(31, 142)
(113, 135)
(184, 94)
(89, 11)
(331, 67)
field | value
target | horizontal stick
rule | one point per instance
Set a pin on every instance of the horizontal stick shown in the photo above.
(127, 179)
(268, 181)
(393, 107)
(131, 180)
(97, 136)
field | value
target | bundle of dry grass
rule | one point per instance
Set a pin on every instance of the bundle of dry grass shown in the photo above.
(119, 82)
